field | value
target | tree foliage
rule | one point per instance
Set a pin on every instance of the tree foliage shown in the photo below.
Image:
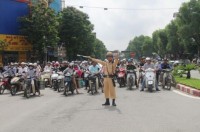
(76, 32)
(41, 28)
(180, 36)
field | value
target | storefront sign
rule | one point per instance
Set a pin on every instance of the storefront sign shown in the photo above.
(16, 43)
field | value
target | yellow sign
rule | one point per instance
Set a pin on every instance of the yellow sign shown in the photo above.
(16, 43)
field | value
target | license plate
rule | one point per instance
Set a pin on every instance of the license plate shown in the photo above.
(150, 82)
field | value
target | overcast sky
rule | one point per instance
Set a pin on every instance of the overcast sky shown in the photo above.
(116, 27)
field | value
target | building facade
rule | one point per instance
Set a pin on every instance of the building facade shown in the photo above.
(18, 47)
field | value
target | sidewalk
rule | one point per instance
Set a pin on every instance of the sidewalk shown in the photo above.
(195, 74)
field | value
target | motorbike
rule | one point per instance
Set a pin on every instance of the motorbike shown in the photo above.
(4, 83)
(57, 81)
(93, 81)
(149, 79)
(46, 77)
(68, 84)
(121, 77)
(130, 79)
(167, 79)
(31, 87)
(17, 84)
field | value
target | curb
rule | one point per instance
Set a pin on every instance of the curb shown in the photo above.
(188, 90)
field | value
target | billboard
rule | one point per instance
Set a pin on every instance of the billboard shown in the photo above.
(56, 5)
(10, 11)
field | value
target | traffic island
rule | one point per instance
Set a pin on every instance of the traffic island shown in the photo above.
(190, 86)
(188, 90)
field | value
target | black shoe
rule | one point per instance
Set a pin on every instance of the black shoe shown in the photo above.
(106, 103)
(113, 103)
(157, 89)
(142, 90)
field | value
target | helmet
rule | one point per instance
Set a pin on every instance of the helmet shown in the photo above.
(148, 58)
(109, 54)
(30, 64)
(23, 63)
(57, 63)
(71, 64)
(165, 59)
(35, 64)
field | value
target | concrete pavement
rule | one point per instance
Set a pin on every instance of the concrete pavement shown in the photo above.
(136, 111)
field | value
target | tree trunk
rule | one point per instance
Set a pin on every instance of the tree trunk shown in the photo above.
(188, 75)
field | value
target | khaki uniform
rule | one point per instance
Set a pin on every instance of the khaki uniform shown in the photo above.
(109, 69)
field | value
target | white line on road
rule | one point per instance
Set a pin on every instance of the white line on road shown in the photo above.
(186, 95)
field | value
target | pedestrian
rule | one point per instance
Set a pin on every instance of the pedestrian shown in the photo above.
(109, 72)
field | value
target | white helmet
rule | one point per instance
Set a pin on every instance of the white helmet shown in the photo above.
(148, 58)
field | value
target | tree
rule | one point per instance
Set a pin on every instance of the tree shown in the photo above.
(141, 45)
(173, 40)
(41, 28)
(76, 32)
(99, 49)
(189, 27)
(160, 41)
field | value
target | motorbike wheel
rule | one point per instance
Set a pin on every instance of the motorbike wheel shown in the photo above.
(27, 92)
(59, 87)
(46, 84)
(150, 89)
(65, 91)
(55, 86)
(92, 88)
(13, 90)
(130, 84)
(169, 84)
(2, 89)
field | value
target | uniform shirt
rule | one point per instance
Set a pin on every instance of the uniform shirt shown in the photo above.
(94, 69)
(109, 67)
(48, 68)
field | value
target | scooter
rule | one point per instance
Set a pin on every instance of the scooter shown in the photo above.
(121, 77)
(130, 79)
(17, 84)
(60, 81)
(4, 83)
(93, 81)
(167, 79)
(54, 79)
(30, 87)
(46, 77)
(68, 84)
(149, 79)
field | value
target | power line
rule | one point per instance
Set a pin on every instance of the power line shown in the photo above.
(128, 9)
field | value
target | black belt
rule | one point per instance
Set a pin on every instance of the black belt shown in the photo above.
(108, 76)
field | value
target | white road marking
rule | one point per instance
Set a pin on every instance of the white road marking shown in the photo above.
(186, 95)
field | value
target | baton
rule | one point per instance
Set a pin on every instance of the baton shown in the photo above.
(82, 56)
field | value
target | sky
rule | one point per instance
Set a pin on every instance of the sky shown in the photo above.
(116, 27)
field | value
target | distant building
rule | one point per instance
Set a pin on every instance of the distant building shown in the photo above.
(18, 48)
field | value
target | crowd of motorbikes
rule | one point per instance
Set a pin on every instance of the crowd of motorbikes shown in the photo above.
(63, 82)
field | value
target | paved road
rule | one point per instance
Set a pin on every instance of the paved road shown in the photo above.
(164, 111)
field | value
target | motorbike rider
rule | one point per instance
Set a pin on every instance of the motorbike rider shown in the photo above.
(32, 74)
(63, 66)
(164, 65)
(131, 66)
(70, 70)
(94, 69)
(142, 62)
(147, 65)
(48, 67)
(22, 70)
